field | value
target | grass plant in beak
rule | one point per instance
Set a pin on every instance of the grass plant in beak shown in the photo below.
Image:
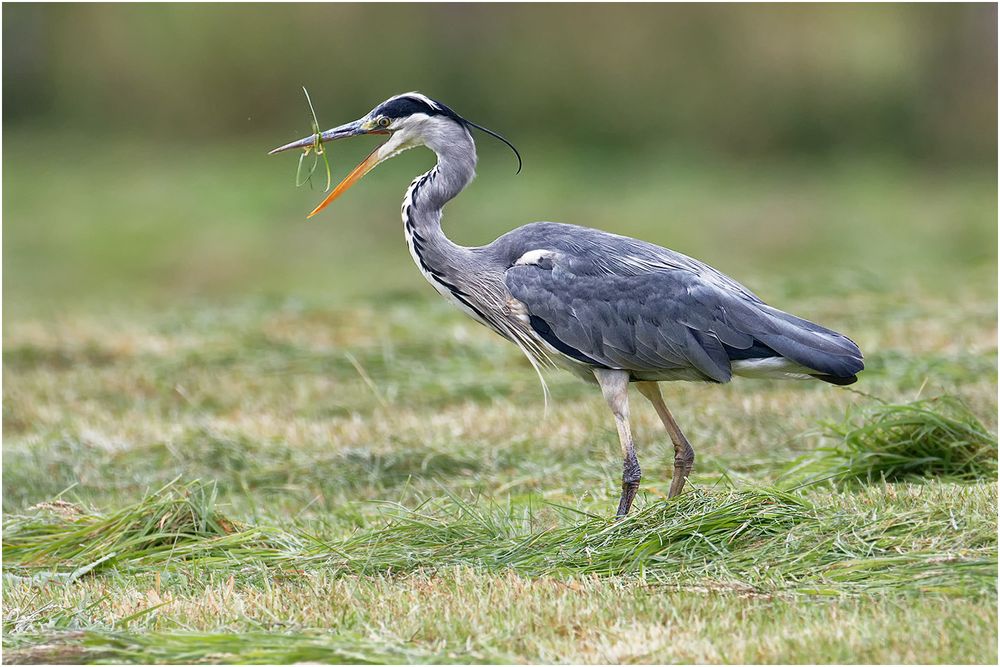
(316, 149)
(313, 145)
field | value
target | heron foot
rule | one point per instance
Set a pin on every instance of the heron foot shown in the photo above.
(631, 474)
(629, 489)
(683, 463)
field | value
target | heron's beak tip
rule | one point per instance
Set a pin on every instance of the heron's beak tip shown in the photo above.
(301, 143)
(304, 142)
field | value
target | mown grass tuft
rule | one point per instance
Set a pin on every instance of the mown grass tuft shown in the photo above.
(757, 539)
(938, 437)
(697, 528)
(177, 523)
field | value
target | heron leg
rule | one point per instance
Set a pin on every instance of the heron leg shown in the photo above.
(683, 451)
(614, 386)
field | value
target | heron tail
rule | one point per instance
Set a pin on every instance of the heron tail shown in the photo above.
(839, 381)
(820, 352)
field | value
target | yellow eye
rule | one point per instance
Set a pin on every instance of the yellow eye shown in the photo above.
(384, 122)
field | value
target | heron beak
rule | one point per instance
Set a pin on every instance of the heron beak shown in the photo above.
(348, 130)
(367, 165)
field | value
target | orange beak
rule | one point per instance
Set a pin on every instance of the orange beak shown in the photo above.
(367, 165)
(351, 129)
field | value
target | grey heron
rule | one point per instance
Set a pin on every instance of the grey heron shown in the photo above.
(611, 309)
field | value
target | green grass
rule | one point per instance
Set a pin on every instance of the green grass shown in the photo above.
(937, 437)
(228, 439)
(753, 539)
(554, 621)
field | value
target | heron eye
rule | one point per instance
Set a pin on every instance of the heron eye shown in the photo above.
(384, 122)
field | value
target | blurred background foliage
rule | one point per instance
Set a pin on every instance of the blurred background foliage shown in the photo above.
(856, 137)
(918, 81)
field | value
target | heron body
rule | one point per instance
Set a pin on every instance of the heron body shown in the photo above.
(611, 309)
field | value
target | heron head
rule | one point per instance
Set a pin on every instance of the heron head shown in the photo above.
(410, 120)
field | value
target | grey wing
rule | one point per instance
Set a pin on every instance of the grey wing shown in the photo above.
(665, 320)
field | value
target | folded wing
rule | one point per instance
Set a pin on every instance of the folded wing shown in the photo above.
(655, 317)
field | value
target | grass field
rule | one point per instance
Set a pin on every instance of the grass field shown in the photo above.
(232, 436)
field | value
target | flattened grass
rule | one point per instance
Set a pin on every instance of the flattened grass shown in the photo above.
(759, 539)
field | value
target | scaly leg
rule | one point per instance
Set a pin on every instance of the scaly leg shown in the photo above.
(683, 451)
(614, 386)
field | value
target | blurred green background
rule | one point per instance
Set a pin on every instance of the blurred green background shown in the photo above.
(849, 146)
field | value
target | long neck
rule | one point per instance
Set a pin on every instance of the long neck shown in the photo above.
(429, 192)
(452, 269)
(446, 265)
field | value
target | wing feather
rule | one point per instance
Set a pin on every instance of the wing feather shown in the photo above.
(660, 311)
